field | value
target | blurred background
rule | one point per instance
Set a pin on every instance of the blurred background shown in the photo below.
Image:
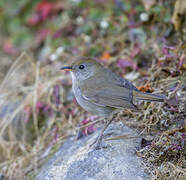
(142, 40)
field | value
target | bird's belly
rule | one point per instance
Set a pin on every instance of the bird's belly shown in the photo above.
(91, 107)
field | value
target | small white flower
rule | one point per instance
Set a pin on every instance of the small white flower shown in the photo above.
(144, 17)
(87, 38)
(104, 24)
(53, 57)
(80, 20)
(59, 50)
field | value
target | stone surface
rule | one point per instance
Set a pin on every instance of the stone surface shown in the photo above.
(76, 160)
(8, 108)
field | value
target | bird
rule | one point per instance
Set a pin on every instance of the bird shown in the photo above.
(100, 91)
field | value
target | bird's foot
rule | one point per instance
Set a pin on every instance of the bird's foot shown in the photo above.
(97, 143)
(98, 140)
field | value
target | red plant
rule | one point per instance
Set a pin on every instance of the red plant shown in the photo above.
(42, 12)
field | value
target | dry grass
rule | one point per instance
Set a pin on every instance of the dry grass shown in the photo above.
(27, 141)
(163, 125)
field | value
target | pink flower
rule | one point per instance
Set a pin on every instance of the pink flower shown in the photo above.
(90, 129)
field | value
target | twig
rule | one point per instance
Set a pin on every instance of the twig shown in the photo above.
(35, 97)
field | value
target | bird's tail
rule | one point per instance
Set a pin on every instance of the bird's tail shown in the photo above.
(138, 95)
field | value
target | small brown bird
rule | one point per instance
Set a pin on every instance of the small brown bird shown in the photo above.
(100, 91)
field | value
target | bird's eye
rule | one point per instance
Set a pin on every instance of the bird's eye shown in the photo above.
(81, 66)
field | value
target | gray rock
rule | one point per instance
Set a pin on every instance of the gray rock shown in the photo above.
(76, 160)
(8, 108)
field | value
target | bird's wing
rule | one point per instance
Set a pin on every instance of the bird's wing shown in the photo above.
(122, 82)
(113, 96)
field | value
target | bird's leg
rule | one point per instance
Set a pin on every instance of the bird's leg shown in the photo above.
(97, 142)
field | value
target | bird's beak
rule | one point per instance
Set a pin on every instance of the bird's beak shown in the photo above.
(66, 68)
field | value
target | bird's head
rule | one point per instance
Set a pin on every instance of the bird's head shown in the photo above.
(84, 68)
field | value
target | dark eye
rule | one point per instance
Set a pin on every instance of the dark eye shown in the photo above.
(81, 66)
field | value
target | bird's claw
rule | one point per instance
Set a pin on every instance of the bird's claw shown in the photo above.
(98, 144)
